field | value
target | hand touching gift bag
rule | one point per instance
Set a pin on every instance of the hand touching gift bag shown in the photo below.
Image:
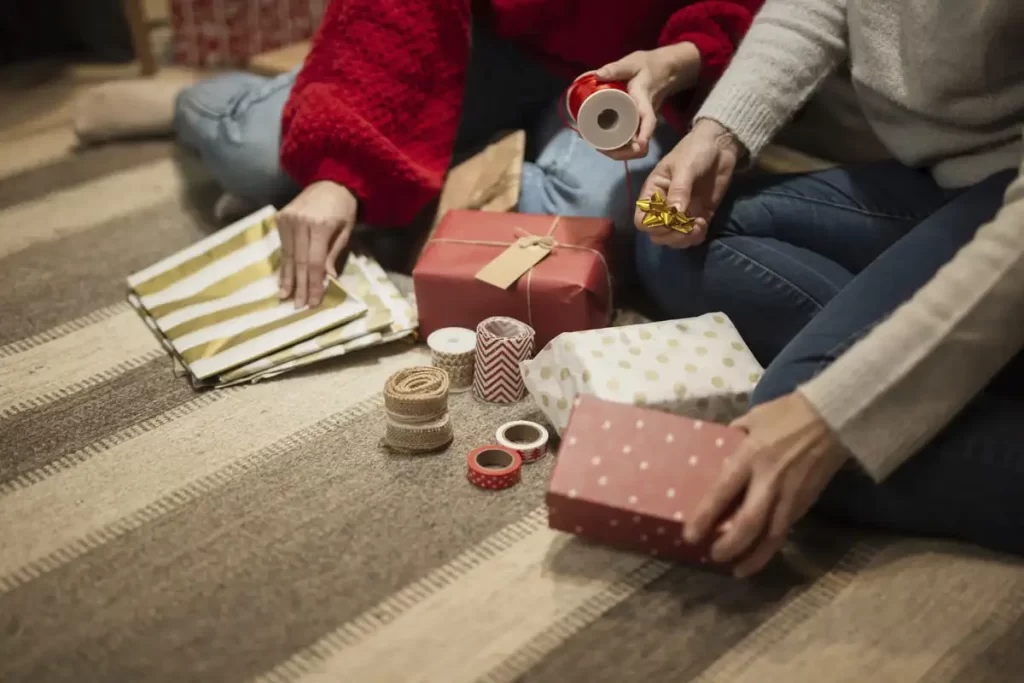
(698, 367)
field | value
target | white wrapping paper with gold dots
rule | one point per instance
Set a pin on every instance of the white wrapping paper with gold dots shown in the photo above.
(698, 367)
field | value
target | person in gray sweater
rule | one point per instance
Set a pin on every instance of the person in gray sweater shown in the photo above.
(887, 298)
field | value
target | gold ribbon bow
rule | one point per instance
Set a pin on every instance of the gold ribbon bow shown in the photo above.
(658, 213)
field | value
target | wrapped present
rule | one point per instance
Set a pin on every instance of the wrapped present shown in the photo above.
(226, 33)
(550, 272)
(698, 367)
(631, 477)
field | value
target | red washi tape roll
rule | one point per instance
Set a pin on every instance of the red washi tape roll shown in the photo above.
(528, 439)
(494, 467)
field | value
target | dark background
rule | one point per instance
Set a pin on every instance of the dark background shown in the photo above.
(87, 30)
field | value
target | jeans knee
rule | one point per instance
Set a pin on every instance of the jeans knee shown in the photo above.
(240, 149)
(547, 193)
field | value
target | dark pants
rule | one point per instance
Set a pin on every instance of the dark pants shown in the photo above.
(805, 266)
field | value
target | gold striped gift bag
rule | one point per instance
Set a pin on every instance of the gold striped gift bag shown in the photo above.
(216, 305)
(377, 289)
(359, 280)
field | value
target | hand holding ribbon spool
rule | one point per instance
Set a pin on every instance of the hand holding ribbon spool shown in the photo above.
(604, 114)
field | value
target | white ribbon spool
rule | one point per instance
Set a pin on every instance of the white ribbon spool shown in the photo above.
(608, 119)
(453, 349)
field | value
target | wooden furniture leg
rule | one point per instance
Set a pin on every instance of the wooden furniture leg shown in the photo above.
(140, 35)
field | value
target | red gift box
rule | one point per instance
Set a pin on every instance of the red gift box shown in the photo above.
(227, 33)
(569, 290)
(630, 477)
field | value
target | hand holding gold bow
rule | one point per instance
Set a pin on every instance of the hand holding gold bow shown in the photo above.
(658, 213)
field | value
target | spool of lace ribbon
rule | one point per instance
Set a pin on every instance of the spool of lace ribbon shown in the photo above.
(416, 406)
(453, 349)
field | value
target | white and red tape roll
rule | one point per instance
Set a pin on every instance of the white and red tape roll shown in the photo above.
(494, 467)
(501, 345)
(528, 439)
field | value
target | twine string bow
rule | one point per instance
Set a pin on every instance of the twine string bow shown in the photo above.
(528, 239)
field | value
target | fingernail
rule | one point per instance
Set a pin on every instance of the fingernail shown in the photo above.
(282, 294)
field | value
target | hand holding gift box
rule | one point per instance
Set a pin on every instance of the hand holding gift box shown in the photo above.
(550, 272)
(631, 477)
(698, 367)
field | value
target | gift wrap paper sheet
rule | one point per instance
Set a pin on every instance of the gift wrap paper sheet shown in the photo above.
(698, 367)
(215, 304)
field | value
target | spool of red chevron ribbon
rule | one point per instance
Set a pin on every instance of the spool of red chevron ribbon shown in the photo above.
(501, 345)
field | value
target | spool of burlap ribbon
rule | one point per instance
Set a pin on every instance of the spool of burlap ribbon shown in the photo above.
(416, 403)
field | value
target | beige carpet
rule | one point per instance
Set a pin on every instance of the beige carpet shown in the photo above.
(148, 533)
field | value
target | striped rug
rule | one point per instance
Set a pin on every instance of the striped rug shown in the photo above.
(149, 533)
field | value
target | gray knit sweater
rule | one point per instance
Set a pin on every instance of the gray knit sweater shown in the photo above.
(942, 84)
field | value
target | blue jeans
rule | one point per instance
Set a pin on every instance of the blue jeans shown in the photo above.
(806, 266)
(234, 121)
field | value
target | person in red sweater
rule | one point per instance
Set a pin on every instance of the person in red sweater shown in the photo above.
(394, 91)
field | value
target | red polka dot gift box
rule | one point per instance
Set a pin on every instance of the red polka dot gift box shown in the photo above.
(630, 477)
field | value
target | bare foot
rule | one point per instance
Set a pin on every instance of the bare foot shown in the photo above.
(124, 109)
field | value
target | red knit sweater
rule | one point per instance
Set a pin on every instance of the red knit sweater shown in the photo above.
(377, 103)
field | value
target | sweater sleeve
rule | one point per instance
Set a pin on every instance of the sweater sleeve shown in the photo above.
(377, 103)
(893, 391)
(791, 48)
(716, 28)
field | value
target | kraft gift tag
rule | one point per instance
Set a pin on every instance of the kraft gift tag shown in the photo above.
(512, 264)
